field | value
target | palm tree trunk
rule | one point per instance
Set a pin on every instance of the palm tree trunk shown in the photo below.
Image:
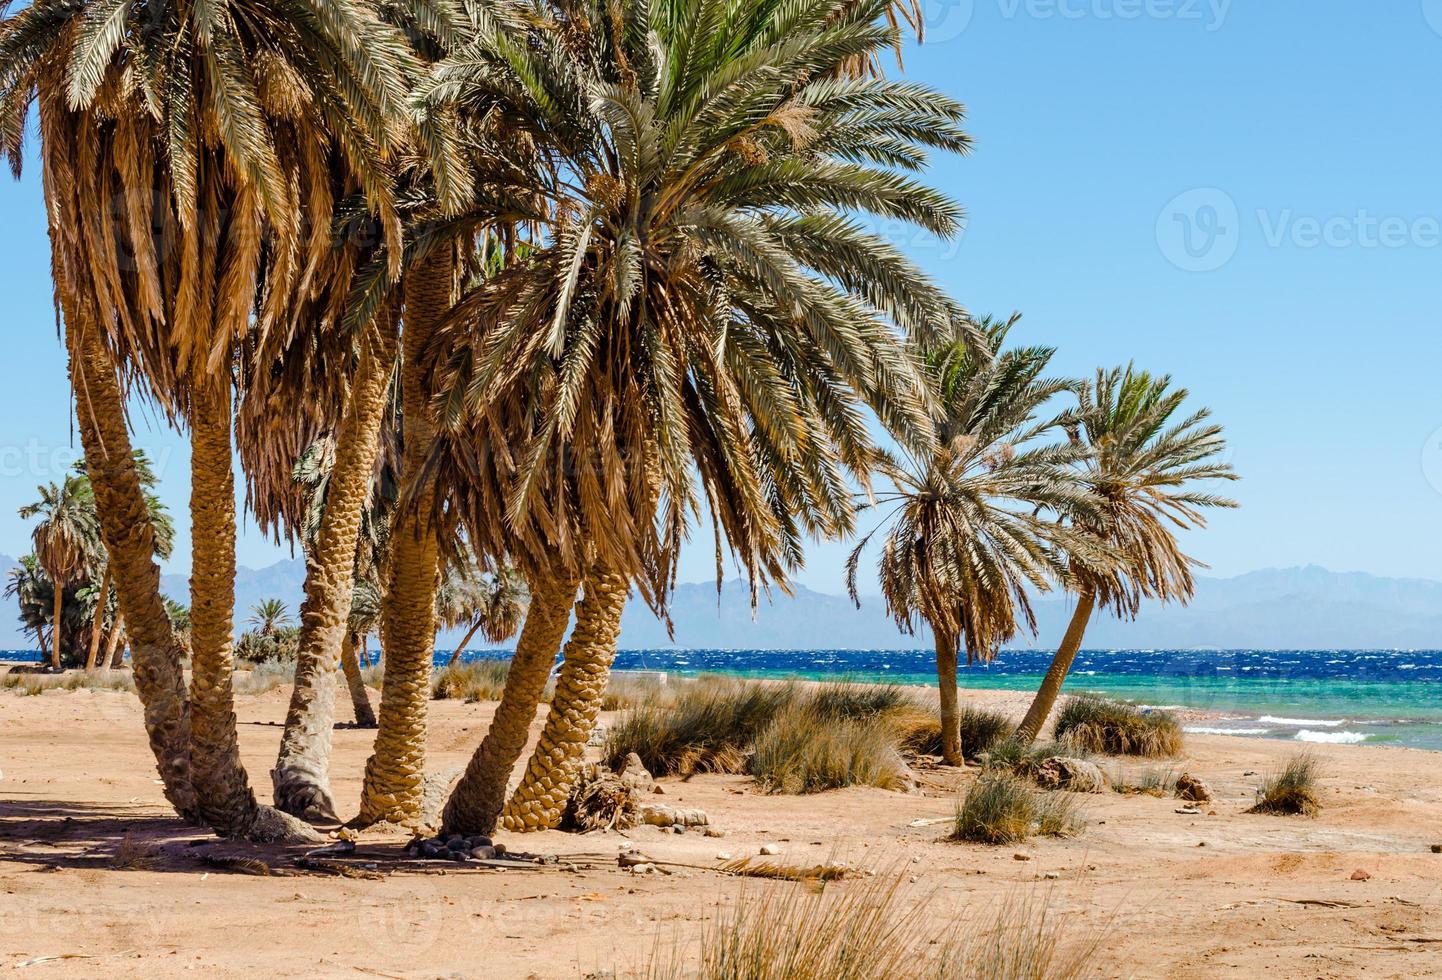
(115, 645)
(365, 651)
(1050, 689)
(222, 787)
(129, 538)
(97, 625)
(470, 635)
(302, 771)
(359, 699)
(950, 715)
(395, 772)
(476, 802)
(59, 589)
(537, 803)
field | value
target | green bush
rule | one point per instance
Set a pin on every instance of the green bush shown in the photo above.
(1292, 790)
(1003, 809)
(279, 645)
(1113, 728)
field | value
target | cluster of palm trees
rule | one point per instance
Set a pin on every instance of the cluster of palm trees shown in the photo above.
(552, 282)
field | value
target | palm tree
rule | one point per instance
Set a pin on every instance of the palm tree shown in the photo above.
(365, 611)
(65, 540)
(698, 300)
(968, 532)
(492, 606)
(1144, 467)
(269, 616)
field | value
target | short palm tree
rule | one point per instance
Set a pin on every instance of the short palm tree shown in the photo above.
(1144, 465)
(971, 527)
(701, 322)
(269, 616)
(66, 539)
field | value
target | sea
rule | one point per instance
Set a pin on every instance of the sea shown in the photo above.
(1381, 697)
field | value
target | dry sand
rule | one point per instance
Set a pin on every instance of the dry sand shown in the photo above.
(1177, 895)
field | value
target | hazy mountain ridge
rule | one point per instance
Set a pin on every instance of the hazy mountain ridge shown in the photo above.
(1280, 608)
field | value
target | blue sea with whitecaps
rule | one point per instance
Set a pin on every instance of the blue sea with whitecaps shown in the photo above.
(1373, 697)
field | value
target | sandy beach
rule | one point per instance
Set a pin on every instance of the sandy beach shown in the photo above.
(1174, 895)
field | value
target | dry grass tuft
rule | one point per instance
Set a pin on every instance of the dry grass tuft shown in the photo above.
(264, 677)
(27, 684)
(133, 855)
(1003, 809)
(862, 930)
(475, 680)
(1113, 728)
(1293, 790)
(981, 730)
(1156, 782)
(805, 750)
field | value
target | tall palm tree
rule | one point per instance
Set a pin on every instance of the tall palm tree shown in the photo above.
(1144, 464)
(188, 161)
(972, 525)
(698, 300)
(65, 537)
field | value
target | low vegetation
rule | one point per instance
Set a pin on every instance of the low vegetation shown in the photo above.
(1156, 782)
(1003, 809)
(25, 683)
(1021, 759)
(476, 680)
(1114, 728)
(805, 750)
(1292, 790)
(981, 730)
(865, 929)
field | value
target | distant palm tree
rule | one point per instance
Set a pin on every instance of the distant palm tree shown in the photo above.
(365, 617)
(66, 539)
(269, 617)
(491, 605)
(1144, 467)
(972, 526)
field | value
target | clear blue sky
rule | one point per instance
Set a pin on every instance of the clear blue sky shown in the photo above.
(1247, 195)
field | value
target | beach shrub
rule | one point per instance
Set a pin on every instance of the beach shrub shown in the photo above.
(279, 644)
(264, 677)
(865, 930)
(1023, 759)
(981, 730)
(475, 680)
(1155, 781)
(806, 751)
(1003, 809)
(28, 684)
(849, 700)
(625, 691)
(1114, 728)
(1292, 789)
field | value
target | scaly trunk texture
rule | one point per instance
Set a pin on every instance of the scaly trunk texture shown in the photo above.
(56, 614)
(475, 803)
(98, 623)
(537, 803)
(950, 715)
(115, 645)
(129, 538)
(395, 773)
(461, 646)
(222, 788)
(359, 697)
(302, 770)
(1050, 689)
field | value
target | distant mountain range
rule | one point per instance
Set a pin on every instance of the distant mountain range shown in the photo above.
(1275, 608)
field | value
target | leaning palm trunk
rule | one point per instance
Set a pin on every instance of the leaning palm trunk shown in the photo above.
(359, 698)
(537, 803)
(129, 538)
(395, 772)
(465, 640)
(302, 770)
(1050, 689)
(222, 788)
(97, 625)
(946, 665)
(56, 614)
(115, 645)
(476, 802)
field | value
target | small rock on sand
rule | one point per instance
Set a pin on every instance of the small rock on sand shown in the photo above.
(1018, 856)
(1191, 788)
(770, 850)
(1360, 875)
(1077, 775)
(1437, 848)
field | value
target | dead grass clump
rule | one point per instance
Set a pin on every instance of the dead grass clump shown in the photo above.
(1024, 760)
(1292, 790)
(1155, 781)
(264, 677)
(981, 730)
(1114, 728)
(1003, 809)
(805, 750)
(134, 855)
(862, 930)
(476, 680)
(29, 684)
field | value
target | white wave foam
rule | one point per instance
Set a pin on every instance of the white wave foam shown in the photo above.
(1303, 722)
(1331, 738)
(1206, 730)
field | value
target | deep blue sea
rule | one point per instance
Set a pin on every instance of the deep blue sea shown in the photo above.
(1326, 696)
